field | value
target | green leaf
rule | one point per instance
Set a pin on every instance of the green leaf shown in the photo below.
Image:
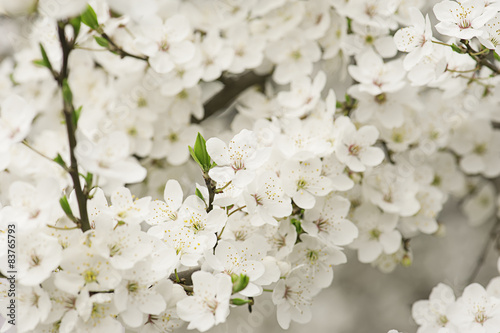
(347, 99)
(239, 301)
(88, 180)
(40, 62)
(102, 41)
(44, 62)
(44, 56)
(76, 115)
(193, 155)
(67, 94)
(59, 160)
(200, 149)
(298, 226)
(456, 49)
(89, 18)
(497, 57)
(198, 194)
(76, 23)
(65, 207)
(200, 154)
(240, 282)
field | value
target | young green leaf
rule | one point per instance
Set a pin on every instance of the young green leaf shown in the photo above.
(76, 115)
(239, 301)
(76, 23)
(59, 160)
(102, 41)
(89, 18)
(199, 194)
(66, 207)
(67, 94)
(40, 62)
(456, 48)
(44, 62)
(298, 225)
(200, 149)
(240, 282)
(193, 155)
(200, 154)
(497, 57)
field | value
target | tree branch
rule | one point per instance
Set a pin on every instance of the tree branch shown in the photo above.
(479, 57)
(233, 87)
(68, 110)
(184, 276)
(492, 237)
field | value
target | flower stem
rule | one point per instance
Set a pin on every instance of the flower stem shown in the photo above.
(237, 209)
(68, 110)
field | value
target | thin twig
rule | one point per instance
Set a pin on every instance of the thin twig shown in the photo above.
(24, 142)
(441, 43)
(211, 191)
(121, 52)
(492, 236)
(236, 210)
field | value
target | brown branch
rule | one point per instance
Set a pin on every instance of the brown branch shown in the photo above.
(492, 237)
(480, 58)
(233, 87)
(68, 110)
(184, 276)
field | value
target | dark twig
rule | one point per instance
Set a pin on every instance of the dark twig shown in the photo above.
(233, 87)
(492, 237)
(184, 277)
(121, 52)
(211, 192)
(68, 110)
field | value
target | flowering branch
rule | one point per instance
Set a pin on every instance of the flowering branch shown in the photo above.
(70, 116)
(114, 48)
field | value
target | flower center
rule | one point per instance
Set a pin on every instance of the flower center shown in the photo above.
(132, 286)
(313, 256)
(381, 98)
(464, 23)
(90, 276)
(443, 320)
(480, 149)
(481, 317)
(113, 250)
(296, 55)
(354, 150)
(212, 305)
(238, 165)
(258, 199)
(301, 184)
(321, 224)
(375, 233)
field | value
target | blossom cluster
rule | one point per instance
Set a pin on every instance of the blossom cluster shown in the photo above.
(477, 310)
(353, 133)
